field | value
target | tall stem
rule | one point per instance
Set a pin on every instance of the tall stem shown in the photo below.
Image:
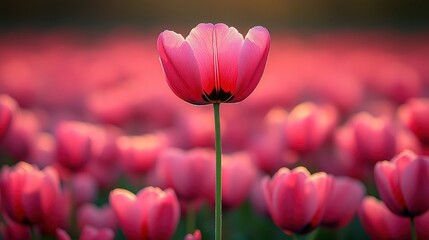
(218, 205)
(191, 217)
(413, 229)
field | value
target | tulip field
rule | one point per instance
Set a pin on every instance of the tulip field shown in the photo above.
(112, 135)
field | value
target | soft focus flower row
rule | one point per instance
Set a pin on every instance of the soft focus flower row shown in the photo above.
(94, 145)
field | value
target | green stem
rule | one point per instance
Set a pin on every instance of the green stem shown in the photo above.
(413, 229)
(190, 220)
(34, 233)
(218, 205)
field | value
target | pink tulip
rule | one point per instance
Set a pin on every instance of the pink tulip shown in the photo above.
(415, 115)
(90, 215)
(29, 195)
(138, 154)
(380, 223)
(84, 188)
(402, 183)
(88, 233)
(21, 135)
(185, 171)
(297, 200)
(73, 144)
(151, 214)
(308, 126)
(343, 202)
(214, 64)
(195, 236)
(13, 230)
(238, 175)
(7, 108)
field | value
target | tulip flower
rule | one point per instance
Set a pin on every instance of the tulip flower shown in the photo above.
(7, 108)
(214, 64)
(415, 115)
(90, 215)
(380, 223)
(28, 194)
(297, 200)
(343, 202)
(151, 214)
(402, 183)
(74, 147)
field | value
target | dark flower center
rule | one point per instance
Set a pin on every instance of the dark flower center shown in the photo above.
(217, 96)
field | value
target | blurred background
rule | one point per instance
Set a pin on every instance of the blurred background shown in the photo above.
(275, 14)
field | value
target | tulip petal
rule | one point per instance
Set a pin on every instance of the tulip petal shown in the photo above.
(414, 186)
(128, 213)
(163, 217)
(253, 57)
(386, 176)
(180, 67)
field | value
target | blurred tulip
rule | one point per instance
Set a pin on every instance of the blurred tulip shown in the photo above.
(7, 109)
(29, 195)
(88, 233)
(84, 188)
(257, 199)
(99, 218)
(138, 154)
(151, 214)
(214, 64)
(402, 183)
(13, 230)
(380, 223)
(297, 200)
(195, 236)
(73, 144)
(308, 126)
(43, 149)
(21, 135)
(414, 114)
(343, 202)
(368, 139)
(185, 171)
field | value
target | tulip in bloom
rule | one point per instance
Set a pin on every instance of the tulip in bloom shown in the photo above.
(186, 171)
(74, 146)
(380, 223)
(29, 195)
(297, 200)
(343, 202)
(7, 108)
(151, 214)
(90, 215)
(415, 116)
(214, 63)
(402, 183)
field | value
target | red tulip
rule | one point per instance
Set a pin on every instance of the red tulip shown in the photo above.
(380, 223)
(90, 215)
(13, 230)
(29, 195)
(84, 188)
(195, 236)
(297, 200)
(214, 64)
(73, 144)
(185, 171)
(151, 214)
(402, 183)
(343, 202)
(7, 109)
